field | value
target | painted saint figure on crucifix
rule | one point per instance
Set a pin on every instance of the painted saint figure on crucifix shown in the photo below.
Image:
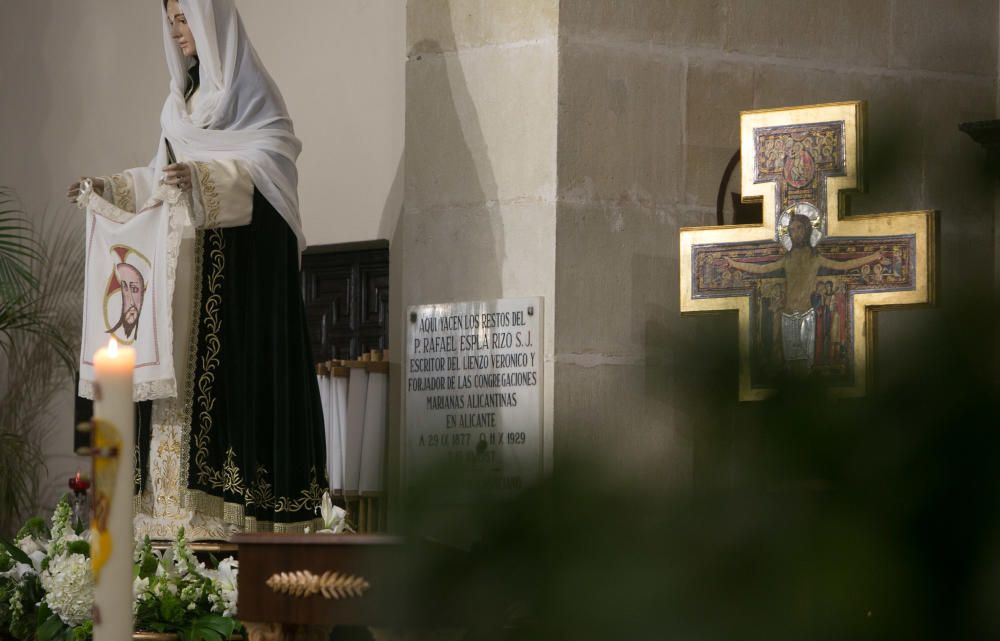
(805, 292)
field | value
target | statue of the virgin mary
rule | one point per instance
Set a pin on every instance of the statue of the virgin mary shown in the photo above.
(239, 447)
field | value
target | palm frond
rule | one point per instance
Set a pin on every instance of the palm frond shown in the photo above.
(21, 317)
(39, 335)
(18, 246)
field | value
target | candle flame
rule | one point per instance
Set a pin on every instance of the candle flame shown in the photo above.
(112, 347)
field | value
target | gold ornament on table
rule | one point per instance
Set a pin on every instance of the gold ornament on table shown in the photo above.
(332, 585)
(807, 282)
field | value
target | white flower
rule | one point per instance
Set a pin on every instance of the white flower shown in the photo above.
(72, 536)
(69, 588)
(326, 509)
(229, 570)
(29, 545)
(140, 589)
(334, 517)
(36, 559)
(224, 584)
(60, 528)
(166, 567)
(18, 572)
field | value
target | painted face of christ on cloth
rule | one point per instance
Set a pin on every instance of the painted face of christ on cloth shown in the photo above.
(133, 288)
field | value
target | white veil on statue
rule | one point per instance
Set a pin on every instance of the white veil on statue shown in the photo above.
(240, 114)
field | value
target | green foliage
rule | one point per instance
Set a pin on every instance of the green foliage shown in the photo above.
(171, 611)
(209, 628)
(22, 286)
(51, 629)
(15, 552)
(21, 619)
(147, 564)
(17, 249)
(35, 526)
(41, 282)
(803, 516)
(83, 632)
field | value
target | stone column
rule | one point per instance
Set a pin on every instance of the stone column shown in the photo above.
(480, 191)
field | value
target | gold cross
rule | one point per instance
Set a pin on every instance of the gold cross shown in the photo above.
(808, 281)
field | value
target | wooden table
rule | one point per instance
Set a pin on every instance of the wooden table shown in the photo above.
(298, 587)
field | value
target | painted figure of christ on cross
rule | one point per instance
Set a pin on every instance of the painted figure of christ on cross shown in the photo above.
(807, 282)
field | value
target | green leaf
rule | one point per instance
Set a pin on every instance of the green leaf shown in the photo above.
(15, 552)
(83, 632)
(222, 625)
(52, 627)
(35, 527)
(44, 613)
(209, 627)
(79, 547)
(147, 566)
(171, 609)
(154, 626)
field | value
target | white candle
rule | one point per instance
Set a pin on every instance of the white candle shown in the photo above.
(112, 535)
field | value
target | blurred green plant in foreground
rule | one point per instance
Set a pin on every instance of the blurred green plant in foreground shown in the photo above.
(872, 518)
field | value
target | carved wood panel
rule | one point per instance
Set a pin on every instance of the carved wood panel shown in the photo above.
(346, 293)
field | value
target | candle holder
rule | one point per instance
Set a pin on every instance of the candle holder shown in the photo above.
(78, 503)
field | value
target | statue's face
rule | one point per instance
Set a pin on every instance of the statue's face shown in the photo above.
(179, 29)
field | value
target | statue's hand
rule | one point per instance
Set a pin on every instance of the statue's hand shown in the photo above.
(179, 175)
(73, 191)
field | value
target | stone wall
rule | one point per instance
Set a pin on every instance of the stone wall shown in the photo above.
(649, 100)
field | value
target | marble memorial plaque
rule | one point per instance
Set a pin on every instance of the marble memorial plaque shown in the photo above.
(473, 390)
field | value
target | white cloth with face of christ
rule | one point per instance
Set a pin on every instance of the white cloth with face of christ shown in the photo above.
(130, 272)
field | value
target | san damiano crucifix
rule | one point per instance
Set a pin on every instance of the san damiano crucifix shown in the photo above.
(808, 281)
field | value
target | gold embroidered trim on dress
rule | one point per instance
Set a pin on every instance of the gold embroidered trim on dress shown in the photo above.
(209, 193)
(192, 360)
(232, 480)
(210, 360)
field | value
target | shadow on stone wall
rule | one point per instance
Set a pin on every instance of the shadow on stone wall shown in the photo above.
(452, 219)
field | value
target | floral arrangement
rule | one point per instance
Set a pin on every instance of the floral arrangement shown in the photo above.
(174, 592)
(47, 589)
